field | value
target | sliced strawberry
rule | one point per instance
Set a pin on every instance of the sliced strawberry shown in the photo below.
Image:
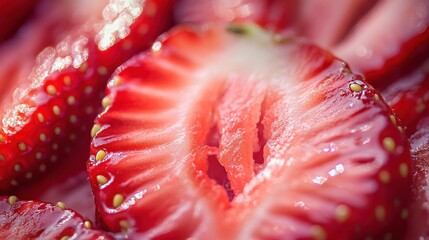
(68, 183)
(238, 134)
(19, 54)
(13, 14)
(419, 210)
(381, 39)
(300, 17)
(39, 220)
(58, 106)
(392, 39)
(409, 97)
(276, 15)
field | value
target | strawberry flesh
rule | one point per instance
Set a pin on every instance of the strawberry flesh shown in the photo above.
(38, 220)
(329, 160)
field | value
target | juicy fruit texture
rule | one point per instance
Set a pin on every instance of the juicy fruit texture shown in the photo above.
(38, 220)
(48, 114)
(212, 141)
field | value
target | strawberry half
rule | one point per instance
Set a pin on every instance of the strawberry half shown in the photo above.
(238, 134)
(58, 106)
(39, 220)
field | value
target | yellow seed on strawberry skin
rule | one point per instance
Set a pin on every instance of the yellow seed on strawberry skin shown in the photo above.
(51, 90)
(118, 199)
(420, 108)
(355, 87)
(380, 213)
(100, 155)
(403, 170)
(101, 179)
(124, 224)
(17, 167)
(71, 100)
(405, 213)
(22, 146)
(106, 102)
(116, 81)
(38, 155)
(56, 110)
(12, 199)
(40, 117)
(389, 144)
(65, 238)
(88, 90)
(67, 80)
(376, 97)
(102, 70)
(2, 157)
(83, 67)
(87, 224)
(318, 233)
(61, 205)
(342, 213)
(73, 119)
(384, 176)
(95, 129)
(29, 175)
(393, 119)
(57, 130)
(13, 182)
(42, 137)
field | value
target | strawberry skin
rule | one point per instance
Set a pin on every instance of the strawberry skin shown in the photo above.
(58, 106)
(39, 220)
(350, 29)
(409, 97)
(238, 134)
(13, 14)
(404, 27)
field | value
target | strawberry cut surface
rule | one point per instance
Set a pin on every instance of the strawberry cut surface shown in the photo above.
(38, 220)
(233, 133)
(57, 104)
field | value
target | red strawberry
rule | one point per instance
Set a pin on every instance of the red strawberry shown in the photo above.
(381, 39)
(276, 15)
(68, 183)
(391, 39)
(13, 14)
(409, 97)
(281, 15)
(38, 220)
(19, 54)
(238, 134)
(419, 210)
(52, 111)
